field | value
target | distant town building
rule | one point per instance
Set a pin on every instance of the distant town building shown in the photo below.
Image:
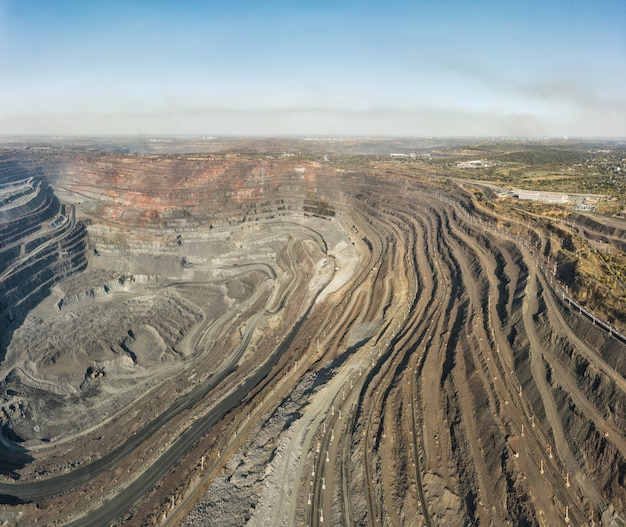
(412, 155)
(477, 163)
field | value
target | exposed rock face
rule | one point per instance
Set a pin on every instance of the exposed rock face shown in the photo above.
(185, 191)
(41, 243)
(174, 242)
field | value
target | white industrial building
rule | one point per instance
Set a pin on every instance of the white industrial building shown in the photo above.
(546, 197)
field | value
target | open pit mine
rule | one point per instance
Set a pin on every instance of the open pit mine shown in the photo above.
(243, 339)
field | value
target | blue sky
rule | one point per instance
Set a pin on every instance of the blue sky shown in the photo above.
(337, 67)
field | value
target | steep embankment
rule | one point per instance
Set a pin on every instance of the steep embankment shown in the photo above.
(41, 243)
(186, 254)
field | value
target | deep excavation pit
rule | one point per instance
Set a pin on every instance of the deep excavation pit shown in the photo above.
(271, 340)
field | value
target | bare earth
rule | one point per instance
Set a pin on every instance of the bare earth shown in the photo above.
(243, 340)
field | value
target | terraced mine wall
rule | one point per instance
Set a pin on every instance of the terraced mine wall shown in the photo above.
(263, 340)
(41, 242)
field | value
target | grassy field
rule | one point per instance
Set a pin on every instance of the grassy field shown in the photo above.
(583, 167)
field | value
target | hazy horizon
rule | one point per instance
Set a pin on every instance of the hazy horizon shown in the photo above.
(330, 68)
